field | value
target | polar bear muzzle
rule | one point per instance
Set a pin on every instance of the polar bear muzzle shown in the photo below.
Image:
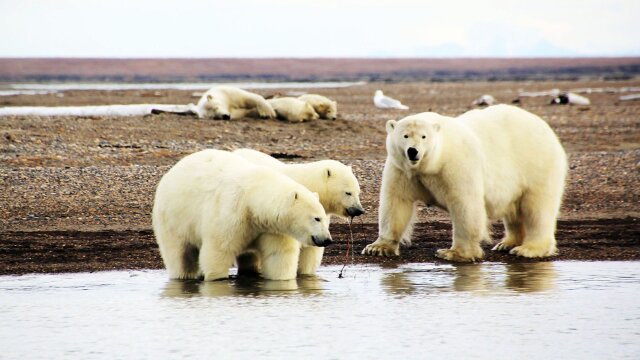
(321, 241)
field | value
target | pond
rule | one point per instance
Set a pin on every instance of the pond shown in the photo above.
(488, 310)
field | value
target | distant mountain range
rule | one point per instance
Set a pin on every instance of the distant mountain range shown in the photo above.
(314, 69)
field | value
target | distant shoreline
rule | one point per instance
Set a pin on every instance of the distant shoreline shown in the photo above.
(316, 69)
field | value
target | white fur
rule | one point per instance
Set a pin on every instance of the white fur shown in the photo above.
(325, 107)
(212, 204)
(222, 101)
(292, 109)
(330, 179)
(498, 163)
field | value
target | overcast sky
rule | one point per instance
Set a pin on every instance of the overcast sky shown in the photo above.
(328, 28)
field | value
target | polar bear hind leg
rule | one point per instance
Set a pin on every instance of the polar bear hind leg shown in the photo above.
(539, 214)
(214, 262)
(181, 259)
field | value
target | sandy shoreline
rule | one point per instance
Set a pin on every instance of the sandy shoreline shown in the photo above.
(77, 191)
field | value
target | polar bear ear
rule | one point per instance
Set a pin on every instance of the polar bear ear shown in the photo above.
(209, 97)
(316, 195)
(435, 127)
(391, 125)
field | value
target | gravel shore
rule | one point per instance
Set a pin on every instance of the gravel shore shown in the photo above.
(77, 191)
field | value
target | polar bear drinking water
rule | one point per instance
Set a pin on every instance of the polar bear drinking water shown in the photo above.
(212, 204)
(339, 194)
(499, 163)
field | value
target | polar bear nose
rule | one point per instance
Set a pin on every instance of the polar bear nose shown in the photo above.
(355, 211)
(321, 241)
(226, 117)
(412, 153)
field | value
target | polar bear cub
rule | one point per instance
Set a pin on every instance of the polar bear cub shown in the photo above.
(227, 102)
(212, 204)
(325, 107)
(292, 109)
(339, 194)
(499, 163)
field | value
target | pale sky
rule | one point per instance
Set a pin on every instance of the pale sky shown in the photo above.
(328, 28)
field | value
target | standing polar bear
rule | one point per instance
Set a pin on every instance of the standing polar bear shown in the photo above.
(212, 204)
(500, 162)
(339, 194)
(292, 109)
(325, 107)
(227, 103)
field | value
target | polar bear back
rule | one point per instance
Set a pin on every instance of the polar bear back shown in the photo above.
(512, 136)
(518, 146)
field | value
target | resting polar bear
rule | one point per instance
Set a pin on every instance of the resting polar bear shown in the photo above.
(212, 204)
(500, 162)
(226, 102)
(339, 194)
(292, 109)
(325, 107)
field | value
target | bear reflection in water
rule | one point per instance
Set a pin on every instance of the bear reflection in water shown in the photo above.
(519, 277)
(244, 286)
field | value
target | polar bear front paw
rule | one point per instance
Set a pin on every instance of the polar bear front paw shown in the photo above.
(455, 256)
(382, 248)
(503, 246)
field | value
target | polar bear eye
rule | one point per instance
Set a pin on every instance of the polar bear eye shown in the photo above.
(348, 193)
(317, 219)
(424, 137)
(406, 136)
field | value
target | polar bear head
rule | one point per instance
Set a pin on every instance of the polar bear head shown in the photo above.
(340, 193)
(215, 108)
(413, 139)
(327, 110)
(304, 218)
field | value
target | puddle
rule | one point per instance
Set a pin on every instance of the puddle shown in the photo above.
(488, 310)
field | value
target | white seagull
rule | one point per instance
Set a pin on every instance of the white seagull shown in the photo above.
(385, 102)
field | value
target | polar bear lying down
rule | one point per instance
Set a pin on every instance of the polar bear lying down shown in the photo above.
(228, 103)
(339, 194)
(212, 204)
(499, 163)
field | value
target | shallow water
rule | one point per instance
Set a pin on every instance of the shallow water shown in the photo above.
(13, 89)
(489, 310)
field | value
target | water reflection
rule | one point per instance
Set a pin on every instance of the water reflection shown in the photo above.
(545, 309)
(484, 277)
(243, 286)
(531, 277)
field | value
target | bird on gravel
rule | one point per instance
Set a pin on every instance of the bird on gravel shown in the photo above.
(385, 102)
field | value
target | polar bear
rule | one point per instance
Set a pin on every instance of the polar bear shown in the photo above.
(212, 204)
(292, 109)
(499, 163)
(325, 107)
(339, 194)
(227, 102)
